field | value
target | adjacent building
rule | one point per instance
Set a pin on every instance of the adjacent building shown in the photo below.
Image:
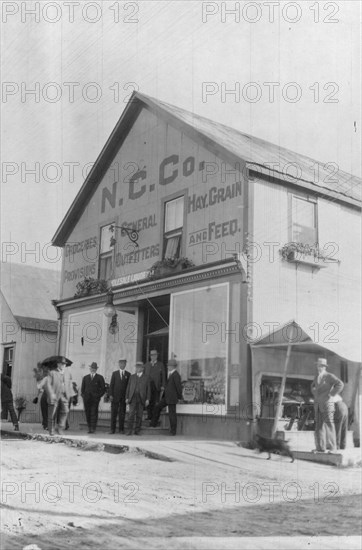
(29, 326)
(221, 250)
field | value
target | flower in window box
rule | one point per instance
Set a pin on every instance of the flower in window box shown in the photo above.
(169, 265)
(89, 286)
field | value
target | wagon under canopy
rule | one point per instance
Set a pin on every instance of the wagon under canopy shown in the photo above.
(289, 354)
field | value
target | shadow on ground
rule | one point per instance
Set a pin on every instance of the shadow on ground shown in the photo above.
(328, 517)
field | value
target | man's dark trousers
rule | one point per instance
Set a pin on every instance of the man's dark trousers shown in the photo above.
(118, 408)
(44, 410)
(172, 416)
(8, 407)
(135, 410)
(91, 404)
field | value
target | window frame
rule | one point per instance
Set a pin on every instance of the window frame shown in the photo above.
(105, 255)
(309, 199)
(179, 231)
(8, 362)
(200, 408)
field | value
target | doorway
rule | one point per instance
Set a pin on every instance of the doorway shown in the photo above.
(156, 330)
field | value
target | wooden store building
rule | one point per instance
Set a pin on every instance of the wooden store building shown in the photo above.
(223, 251)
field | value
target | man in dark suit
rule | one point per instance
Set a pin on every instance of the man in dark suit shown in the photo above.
(173, 392)
(137, 396)
(117, 395)
(92, 389)
(156, 372)
(7, 401)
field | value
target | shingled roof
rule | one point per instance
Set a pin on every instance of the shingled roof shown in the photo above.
(234, 146)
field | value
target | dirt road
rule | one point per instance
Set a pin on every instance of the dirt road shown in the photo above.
(56, 497)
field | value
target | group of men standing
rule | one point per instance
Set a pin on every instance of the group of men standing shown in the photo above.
(148, 388)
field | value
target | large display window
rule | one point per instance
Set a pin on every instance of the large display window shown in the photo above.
(198, 342)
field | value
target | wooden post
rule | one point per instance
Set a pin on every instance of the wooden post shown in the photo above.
(282, 385)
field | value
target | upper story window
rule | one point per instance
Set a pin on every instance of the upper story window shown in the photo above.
(106, 253)
(172, 237)
(304, 220)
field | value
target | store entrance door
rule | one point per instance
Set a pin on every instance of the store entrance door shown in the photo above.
(160, 343)
(157, 315)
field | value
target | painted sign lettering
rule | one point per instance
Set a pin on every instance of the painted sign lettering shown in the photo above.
(169, 170)
(80, 273)
(71, 249)
(138, 176)
(143, 223)
(214, 231)
(215, 195)
(138, 255)
(131, 278)
(218, 230)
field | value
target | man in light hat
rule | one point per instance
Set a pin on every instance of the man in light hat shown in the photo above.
(172, 394)
(117, 395)
(92, 389)
(58, 391)
(324, 386)
(137, 397)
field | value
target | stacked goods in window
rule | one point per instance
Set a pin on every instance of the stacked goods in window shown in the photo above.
(215, 388)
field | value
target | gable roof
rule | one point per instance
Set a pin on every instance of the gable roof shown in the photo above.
(234, 146)
(42, 325)
(302, 339)
(28, 290)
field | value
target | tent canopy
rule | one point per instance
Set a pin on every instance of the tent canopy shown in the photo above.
(302, 339)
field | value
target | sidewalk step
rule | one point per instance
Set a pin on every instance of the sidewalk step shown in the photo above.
(145, 430)
(304, 440)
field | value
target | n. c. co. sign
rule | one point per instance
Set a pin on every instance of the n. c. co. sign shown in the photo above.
(170, 168)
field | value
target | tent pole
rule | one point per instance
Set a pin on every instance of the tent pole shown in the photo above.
(282, 385)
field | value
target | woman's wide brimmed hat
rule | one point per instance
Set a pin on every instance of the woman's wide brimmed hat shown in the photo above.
(53, 361)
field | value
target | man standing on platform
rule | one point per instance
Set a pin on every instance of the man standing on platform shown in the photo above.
(155, 370)
(325, 386)
(117, 395)
(340, 421)
(173, 392)
(93, 388)
(138, 397)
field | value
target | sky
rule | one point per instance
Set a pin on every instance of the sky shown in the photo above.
(287, 72)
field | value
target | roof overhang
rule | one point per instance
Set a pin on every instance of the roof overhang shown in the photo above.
(301, 340)
(132, 110)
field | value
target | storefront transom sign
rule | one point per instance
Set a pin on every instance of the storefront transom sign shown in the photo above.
(131, 278)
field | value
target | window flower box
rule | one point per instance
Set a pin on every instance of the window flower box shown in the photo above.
(90, 286)
(169, 266)
(306, 254)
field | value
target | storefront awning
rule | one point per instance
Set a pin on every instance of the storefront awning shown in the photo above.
(307, 340)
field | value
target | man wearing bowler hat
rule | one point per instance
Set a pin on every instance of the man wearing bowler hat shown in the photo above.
(172, 393)
(324, 386)
(117, 395)
(92, 389)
